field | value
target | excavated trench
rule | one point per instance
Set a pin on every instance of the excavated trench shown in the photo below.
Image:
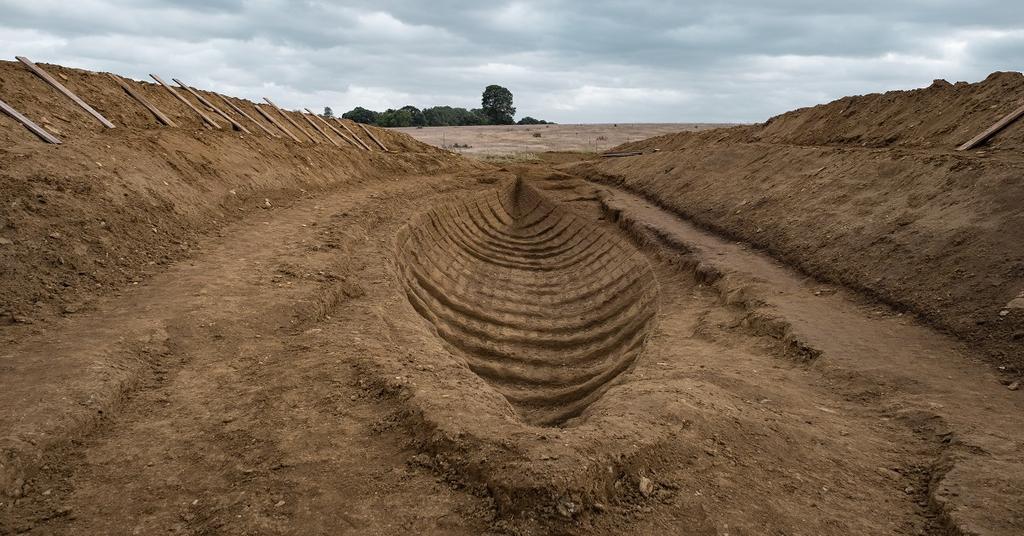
(546, 307)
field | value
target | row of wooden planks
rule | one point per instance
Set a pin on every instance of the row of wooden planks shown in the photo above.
(319, 124)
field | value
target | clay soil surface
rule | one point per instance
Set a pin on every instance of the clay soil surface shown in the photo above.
(207, 332)
(503, 140)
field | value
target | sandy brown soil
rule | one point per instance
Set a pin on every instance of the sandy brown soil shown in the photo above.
(415, 342)
(109, 206)
(907, 219)
(497, 140)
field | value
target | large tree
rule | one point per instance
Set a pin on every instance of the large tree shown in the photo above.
(531, 121)
(497, 105)
(440, 116)
(361, 115)
(417, 116)
(395, 118)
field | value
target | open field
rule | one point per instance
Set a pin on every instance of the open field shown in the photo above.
(534, 139)
(811, 326)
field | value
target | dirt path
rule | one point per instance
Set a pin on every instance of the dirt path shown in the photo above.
(267, 387)
(879, 361)
(241, 419)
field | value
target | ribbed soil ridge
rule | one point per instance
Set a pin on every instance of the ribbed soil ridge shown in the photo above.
(546, 307)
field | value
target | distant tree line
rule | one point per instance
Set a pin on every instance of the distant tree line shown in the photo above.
(495, 109)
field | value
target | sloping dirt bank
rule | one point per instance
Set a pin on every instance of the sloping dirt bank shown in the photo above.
(973, 479)
(940, 116)
(109, 209)
(868, 192)
(109, 206)
(222, 396)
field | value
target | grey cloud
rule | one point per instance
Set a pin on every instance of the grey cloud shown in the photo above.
(570, 61)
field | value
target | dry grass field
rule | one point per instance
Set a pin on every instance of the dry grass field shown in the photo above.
(531, 139)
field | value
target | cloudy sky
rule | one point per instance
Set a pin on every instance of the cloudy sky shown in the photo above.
(567, 61)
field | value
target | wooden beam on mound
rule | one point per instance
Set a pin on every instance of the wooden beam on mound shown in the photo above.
(317, 128)
(234, 124)
(335, 129)
(206, 119)
(324, 132)
(242, 113)
(36, 129)
(276, 123)
(142, 100)
(372, 137)
(290, 120)
(618, 155)
(353, 134)
(993, 130)
(67, 92)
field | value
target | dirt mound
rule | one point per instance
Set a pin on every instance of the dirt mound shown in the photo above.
(34, 98)
(940, 116)
(916, 224)
(410, 341)
(545, 307)
(110, 206)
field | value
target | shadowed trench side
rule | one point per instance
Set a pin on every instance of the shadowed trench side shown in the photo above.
(545, 307)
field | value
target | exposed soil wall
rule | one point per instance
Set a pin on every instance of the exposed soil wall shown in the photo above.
(109, 206)
(921, 226)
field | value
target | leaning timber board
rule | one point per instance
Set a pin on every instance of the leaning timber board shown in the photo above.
(353, 134)
(235, 124)
(177, 95)
(67, 92)
(142, 100)
(36, 129)
(992, 130)
(290, 120)
(242, 113)
(335, 130)
(276, 123)
(372, 137)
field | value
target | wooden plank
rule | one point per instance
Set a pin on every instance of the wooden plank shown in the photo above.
(275, 122)
(318, 129)
(372, 137)
(242, 113)
(336, 131)
(617, 155)
(234, 124)
(67, 92)
(290, 120)
(992, 130)
(36, 129)
(353, 134)
(142, 100)
(178, 96)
